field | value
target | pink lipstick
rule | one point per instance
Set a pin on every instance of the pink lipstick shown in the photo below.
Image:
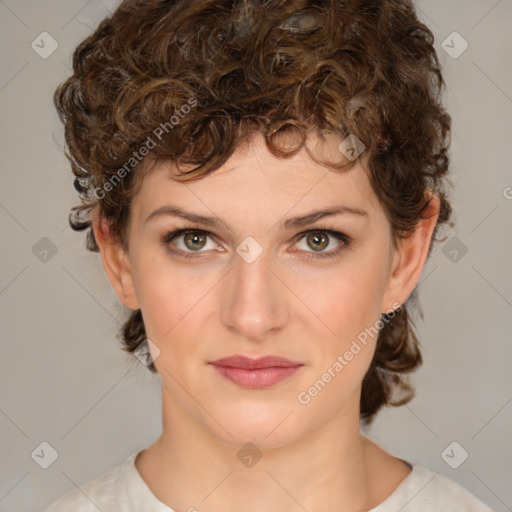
(259, 373)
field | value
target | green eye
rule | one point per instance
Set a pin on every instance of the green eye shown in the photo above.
(319, 240)
(193, 240)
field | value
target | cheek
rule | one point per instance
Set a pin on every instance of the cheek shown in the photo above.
(349, 304)
(348, 299)
(352, 310)
(174, 301)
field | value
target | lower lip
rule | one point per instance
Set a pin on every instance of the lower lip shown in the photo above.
(259, 378)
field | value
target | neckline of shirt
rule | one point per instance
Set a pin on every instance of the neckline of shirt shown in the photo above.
(134, 493)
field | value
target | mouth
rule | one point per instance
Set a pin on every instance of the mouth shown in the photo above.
(258, 373)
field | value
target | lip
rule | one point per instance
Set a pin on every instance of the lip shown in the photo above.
(257, 373)
(248, 363)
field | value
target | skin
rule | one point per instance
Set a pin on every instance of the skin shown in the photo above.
(196, 310)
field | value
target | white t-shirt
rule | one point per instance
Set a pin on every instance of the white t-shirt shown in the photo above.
(122, 489)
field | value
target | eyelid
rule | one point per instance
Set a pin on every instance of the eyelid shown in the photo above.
(344, 240)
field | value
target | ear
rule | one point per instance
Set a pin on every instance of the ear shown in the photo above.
(115, 261)
(409, 259)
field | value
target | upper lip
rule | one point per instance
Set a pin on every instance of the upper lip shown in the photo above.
(247, 363)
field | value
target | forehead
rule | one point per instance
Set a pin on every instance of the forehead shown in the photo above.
(253, 182)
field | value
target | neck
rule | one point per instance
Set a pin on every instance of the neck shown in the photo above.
(332, 468)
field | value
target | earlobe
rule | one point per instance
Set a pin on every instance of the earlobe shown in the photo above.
(115, 261)
(409, 259)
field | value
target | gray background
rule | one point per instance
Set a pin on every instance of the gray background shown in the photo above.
(64, 380)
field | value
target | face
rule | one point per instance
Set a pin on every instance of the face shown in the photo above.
(259, 284)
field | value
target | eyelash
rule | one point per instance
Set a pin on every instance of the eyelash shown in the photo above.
(345, 240)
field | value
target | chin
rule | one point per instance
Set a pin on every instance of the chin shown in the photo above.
(267, 431)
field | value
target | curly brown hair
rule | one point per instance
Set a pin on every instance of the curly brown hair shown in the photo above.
(190, 80)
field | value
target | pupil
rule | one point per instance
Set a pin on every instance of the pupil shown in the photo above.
(194, 238)
(317, 240)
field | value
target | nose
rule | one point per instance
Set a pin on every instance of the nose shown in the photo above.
(254, 300)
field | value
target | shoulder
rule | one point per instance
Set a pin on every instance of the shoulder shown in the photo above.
(98, 494)
(427, 491)
(443, 493)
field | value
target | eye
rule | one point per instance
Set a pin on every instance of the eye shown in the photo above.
(319, 240)
(186, 242)
(192, 240)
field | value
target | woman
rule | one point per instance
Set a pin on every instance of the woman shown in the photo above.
(265, 181)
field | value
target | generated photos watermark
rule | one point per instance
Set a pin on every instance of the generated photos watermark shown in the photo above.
(357, 345)
(145, 148)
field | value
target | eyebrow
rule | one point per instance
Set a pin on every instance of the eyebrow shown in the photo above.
(216, 222)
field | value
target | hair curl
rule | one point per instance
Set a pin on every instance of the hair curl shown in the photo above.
(361, 67)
